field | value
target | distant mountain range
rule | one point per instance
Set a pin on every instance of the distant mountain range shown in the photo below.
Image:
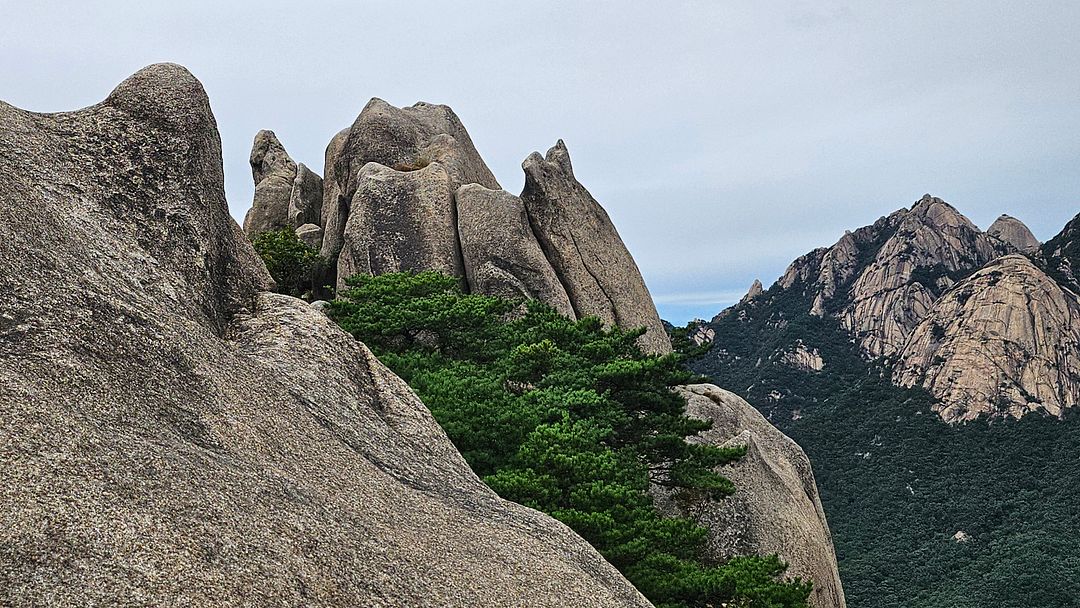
(927, 367)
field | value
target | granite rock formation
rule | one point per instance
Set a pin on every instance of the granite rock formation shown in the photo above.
(400, 221)
(599, 274)
(287, 195)
(881, 280)
(775, 509)
(175, 435)
(501, 254)
(1014, 234)
(403, 139)
(395, 183)
(1005, 341)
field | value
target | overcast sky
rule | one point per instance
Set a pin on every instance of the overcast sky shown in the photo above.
(724, 139)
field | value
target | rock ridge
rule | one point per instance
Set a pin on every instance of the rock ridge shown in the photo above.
(175, 435)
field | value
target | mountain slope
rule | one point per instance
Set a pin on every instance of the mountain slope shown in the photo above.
(924, 514)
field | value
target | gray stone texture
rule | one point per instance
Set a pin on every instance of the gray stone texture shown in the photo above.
(501, 254)
(775, 508)
(590, 259)
(173, 435)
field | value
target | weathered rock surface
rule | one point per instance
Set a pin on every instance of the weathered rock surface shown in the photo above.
(405, 139)
(775, 508)
(590, 259)
(1014, 234)
(273, 172)
(287, 195)
(756, 289)
(170, 434)
(1006, 341)
(881, 280)
(305, 200)
(804, 358)
(400, 221)
(501, 254)
(310, 234)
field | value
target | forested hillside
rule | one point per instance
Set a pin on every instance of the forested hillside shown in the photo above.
(924, 514)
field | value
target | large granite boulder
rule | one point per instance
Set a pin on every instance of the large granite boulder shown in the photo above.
(501, 254)
(775, 508)
(174, 435)
(404, 139)
(305, 199)
(400, 221)
(1003, 342)
(590, 259)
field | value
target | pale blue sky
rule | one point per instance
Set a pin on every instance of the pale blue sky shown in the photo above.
(724, 138)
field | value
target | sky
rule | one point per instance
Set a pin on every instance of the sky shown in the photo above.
(724, 139)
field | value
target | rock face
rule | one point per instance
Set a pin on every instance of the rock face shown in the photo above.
(390, 202)
(882, 279)
(585, 250)
(1006, 341)
(775, 508)
(404, 139)
(400, 221)
(287, 195)
(1013, 233)
(756, 289)
(804, 358)
(501, 254)
(174, 435)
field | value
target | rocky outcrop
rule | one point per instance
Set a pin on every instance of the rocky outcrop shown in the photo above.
(1012, 233)
(775, 508)
(174, 435)
(804, 358)
(400, 221)
(881, 280)
(501, 254)
(305, 200)
(287, 195)
(402, 139)
(390, 203)
(756, 289)
(1006, 341)
(590, 259)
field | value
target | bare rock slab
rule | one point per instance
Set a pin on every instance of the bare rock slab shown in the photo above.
(775, 509)
(590, 259)
(501, 254)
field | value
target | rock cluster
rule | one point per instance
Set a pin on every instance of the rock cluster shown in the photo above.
(406, 190)
(775, 509)
(287, 194)
(175, 435)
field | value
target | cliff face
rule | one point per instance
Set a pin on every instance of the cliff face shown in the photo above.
(1005, 341)
(776, 508)
(406, 190)
(174, 435)
(880, 280)
(927, 290)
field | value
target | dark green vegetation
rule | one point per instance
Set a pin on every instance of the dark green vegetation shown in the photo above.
(566, 417)
(897, 483)
(1060, 256)
(295, 266)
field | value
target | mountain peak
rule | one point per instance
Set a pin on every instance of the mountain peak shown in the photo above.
(1012, 231)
